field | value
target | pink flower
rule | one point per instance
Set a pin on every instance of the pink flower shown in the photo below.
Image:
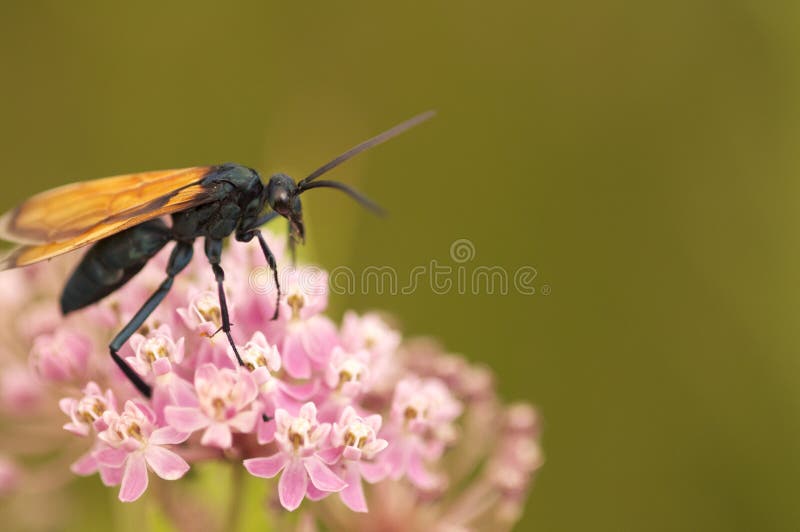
(156, 353)
(339, 407)
(262, 359)
(134, 444)
(355, 441)
(299, 439)
(224, 404)
(87, 413)
(20, 390)
(422, 413)
(348, 373)
(356, 437)
(61, 356)
(372, 334)
(369, 332)
(203, 313)
(303, 336)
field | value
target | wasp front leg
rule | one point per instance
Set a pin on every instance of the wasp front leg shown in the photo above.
(247, 236)
(214, 254)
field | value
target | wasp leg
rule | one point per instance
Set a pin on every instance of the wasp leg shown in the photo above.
(270, 258)
(214, 254)
(248, 235)
(274, 267)
(178, 260)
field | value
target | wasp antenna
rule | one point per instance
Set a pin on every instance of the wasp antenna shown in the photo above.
(367, 144)
(353, 193)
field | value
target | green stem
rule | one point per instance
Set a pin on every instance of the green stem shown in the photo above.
(237, 496)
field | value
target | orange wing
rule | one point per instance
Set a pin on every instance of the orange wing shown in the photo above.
(67, 218)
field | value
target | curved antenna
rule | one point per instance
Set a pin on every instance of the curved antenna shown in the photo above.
(367, 144)
(353, 193)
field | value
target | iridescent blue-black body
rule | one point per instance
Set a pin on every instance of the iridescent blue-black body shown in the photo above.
(236, 199)
(227, 200)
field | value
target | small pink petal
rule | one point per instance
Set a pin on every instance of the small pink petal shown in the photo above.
(179, 351)
(261, 375)
(309, 412)
(419, 475)
(320, 338)
(167, 436)
(85, 465)
(164, 463)
(244, 421)
(111, 457)
(206, 372)
(314, 494)
(134, 480)
(266, 431)
(185, 418)
(295, 358)
(78, 430)
(331, 455)
(353, 494)
(217, 435)
(100, 425)
(375, 446)
(301, 392)
(321, 475)
(374, 421)
(373, 472)
(111, 476)
(352, 453)
(292, 485)
(66, 405)
(268, 466)
(282, 419)
(161, 366)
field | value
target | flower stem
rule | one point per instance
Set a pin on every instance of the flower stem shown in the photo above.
(237, 494)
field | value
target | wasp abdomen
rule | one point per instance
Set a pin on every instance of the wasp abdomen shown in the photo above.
(112, 262)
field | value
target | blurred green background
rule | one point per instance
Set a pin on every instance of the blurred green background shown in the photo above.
(642, 156)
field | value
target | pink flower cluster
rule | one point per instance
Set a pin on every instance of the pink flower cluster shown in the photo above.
(326, 408)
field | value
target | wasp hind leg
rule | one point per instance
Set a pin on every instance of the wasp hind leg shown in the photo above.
(178, 260)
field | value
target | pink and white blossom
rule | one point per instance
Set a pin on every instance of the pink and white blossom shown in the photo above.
(134, 445)
(87, 413)
(303, 335)
(401, 428)
(355, 446)
(61, 356)
(300, 439)
(223, 405)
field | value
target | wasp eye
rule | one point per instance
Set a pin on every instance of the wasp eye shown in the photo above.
(280, 202)
(280, 194)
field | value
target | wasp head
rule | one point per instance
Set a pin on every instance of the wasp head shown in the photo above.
(283, 197)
